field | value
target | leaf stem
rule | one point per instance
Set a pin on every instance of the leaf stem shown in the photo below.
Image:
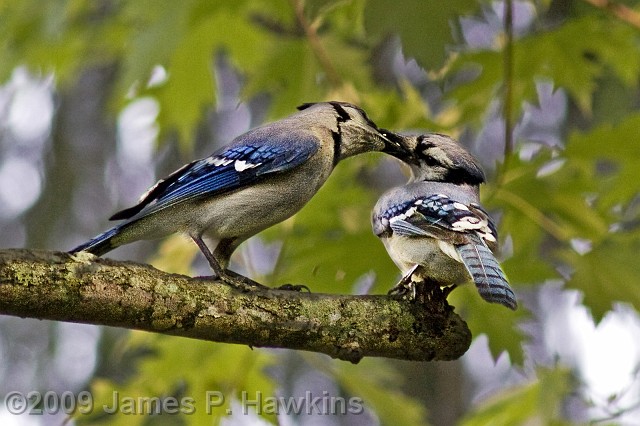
(507, 93)
(507, 101)
(620, 11)
(316, 45)
(534, 214)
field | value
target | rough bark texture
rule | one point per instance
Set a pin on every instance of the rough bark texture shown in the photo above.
(86, 289)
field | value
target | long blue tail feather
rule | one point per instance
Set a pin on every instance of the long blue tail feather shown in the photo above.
(487, 274)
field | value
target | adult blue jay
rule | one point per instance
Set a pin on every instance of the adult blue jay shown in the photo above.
(434, 228)
(263, 177)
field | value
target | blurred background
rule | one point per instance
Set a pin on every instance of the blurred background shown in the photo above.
(99, 99)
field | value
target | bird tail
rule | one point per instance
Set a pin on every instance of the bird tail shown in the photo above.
(100, 244)
(487, 274)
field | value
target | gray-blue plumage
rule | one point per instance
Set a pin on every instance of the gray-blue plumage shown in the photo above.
(487, 274)
(434, 227)
(263, 177)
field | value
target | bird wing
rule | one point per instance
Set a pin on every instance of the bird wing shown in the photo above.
(443, 218)
(236, 166)
(466, 228)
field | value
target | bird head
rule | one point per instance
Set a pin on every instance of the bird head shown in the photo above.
(439, 158)
(355, 133)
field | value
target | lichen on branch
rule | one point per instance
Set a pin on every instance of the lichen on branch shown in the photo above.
(90, 290)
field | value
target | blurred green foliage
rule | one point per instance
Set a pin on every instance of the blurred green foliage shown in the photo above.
(538, 402)
(325, 53)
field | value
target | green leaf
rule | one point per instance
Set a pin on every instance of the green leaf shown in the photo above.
(290, 70)
(321, 241)
(152, 35)
(203, 377)
(538, 402)
(526, 219)
(376, 384)
(607, 156)
(424, 26)
(541, 211)
(471, 99)
(190, 86)
(583, 199)
(399, 110)
(499, 323)
(175, 255)
(184, 38)
(613, 100)
(608, 273)
(46, 37)
(572, 56)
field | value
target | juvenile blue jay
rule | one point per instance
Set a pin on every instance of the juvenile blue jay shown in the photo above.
(434, 228)
(263, 177)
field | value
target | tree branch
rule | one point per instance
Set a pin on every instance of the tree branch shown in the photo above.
(86, 289)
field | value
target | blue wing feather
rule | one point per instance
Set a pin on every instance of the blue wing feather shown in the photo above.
(433, 210)
(439, 216)
(231, 168)
(467, 227)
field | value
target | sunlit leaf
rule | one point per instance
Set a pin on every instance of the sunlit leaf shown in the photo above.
(203, 377)
(538, 402)
(175, 255)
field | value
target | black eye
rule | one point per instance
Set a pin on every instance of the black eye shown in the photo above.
(429, 160)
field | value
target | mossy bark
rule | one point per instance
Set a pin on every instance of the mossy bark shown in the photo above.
(86, 289)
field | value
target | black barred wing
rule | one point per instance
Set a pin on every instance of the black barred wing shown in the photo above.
(440, 217)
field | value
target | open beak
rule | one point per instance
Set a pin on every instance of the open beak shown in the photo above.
(397, 146)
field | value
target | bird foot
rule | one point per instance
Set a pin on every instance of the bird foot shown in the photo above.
(241, 282)
(447, 290)
(294, 287)
(404, 290)
(432, 297)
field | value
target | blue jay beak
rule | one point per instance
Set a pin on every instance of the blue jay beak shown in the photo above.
(397, 146)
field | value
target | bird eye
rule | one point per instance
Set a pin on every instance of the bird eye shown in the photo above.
(429, 160)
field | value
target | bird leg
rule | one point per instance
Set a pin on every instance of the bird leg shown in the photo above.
(231, 278)
(225, 248)
(406, 287)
